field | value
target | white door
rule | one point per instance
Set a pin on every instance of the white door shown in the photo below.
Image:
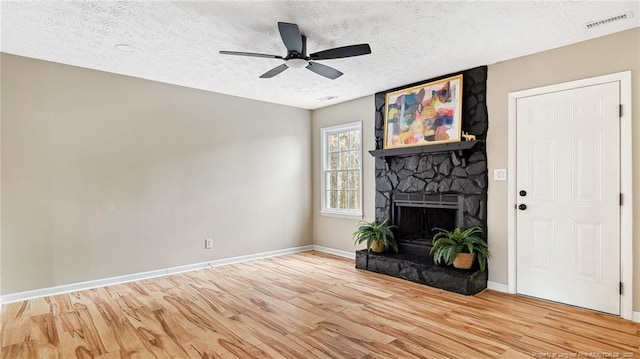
(568, 163)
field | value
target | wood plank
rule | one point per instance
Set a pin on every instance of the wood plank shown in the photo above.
(303, 305)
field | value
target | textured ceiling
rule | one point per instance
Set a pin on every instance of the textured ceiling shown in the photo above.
(178, 42)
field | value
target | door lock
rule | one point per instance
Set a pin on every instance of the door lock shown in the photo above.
(523, 193)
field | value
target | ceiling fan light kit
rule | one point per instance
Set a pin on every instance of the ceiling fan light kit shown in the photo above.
(296, 63)
(297, 58)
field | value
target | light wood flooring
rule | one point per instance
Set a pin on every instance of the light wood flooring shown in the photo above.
(306, 305)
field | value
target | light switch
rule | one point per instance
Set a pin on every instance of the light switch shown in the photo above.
(500, 174)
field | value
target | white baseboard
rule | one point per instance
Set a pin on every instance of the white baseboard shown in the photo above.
(636, 317)
(74, 287)
(337, 252)
(498, 287)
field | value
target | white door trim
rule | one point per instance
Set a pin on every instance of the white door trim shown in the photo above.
(626, 184)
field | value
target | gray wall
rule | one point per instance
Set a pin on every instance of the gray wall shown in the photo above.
(609, 54)
(106, 175)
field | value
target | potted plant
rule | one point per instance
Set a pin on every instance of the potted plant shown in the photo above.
(376, 235)
(459, 247)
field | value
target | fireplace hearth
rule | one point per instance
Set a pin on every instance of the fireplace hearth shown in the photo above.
(421, 269)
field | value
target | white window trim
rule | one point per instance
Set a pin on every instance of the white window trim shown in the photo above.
(357, 125)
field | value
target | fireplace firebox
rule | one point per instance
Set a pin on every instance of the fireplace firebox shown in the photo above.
(416, 215)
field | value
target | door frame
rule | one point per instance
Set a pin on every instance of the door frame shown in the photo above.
(626, 180)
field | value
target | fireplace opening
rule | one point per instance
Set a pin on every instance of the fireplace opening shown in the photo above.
(416, 215)
(417, 224)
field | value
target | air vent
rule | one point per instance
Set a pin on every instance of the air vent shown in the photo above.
(596, 23)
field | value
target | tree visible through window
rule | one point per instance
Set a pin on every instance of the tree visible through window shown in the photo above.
(342, 152)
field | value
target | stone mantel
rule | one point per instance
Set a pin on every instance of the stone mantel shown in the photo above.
(461, 147)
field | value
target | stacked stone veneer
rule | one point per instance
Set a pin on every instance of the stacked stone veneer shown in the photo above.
(446, 172)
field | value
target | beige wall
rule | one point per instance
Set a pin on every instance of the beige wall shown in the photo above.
(335, 232)
(614, 53)
(605, 55)
(105, 175)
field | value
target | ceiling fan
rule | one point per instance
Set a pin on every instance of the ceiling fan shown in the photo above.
(297, 57)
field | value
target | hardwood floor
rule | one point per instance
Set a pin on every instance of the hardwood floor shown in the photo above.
(306, 305)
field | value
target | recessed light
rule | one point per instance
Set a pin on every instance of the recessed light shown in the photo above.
(327, 98)
(125, 47)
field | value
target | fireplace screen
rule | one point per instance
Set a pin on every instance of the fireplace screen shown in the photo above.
(416, 215)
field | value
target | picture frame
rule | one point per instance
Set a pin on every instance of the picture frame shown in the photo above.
(426, 114)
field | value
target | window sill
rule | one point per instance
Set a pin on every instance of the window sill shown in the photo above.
(342, 215)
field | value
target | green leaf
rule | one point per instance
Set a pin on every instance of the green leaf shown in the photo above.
(368, 232)
(448, 244)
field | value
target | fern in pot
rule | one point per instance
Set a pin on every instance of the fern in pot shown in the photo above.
(377, 236)
(460, 247)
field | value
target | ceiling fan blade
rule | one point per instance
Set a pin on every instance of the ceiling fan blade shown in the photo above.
(252, 54)
(274, 71)
(340, 52)
(291, 37)
(324, 70)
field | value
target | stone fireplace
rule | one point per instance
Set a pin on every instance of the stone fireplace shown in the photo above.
(432, 186)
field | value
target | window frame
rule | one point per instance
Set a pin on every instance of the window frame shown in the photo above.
(324, 148)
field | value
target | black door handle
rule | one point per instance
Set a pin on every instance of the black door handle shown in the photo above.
(523, 193)
(522, 207)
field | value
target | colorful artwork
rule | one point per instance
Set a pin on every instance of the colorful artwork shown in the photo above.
(424, 115)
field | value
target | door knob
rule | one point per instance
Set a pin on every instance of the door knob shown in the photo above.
(523, 193)
(522, 207)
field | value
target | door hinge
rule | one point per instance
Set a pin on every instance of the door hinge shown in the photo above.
(621, 199)
(620, 288)
(620, 110)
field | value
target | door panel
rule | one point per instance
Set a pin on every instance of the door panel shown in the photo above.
(587, 246)
(568, 162)
(543, 169)
(587, 167)
(542, 244)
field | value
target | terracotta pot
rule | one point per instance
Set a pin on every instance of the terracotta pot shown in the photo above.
(377, 247)
(464, 260)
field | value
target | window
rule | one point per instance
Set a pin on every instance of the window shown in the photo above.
(341, 169)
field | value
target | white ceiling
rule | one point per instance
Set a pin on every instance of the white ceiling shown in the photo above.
(178, 42)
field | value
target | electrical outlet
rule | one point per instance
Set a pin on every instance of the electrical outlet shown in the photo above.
(208, 243)
(500, 174)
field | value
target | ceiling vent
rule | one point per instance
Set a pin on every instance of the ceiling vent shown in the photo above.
(596, 23)
(327, 98)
